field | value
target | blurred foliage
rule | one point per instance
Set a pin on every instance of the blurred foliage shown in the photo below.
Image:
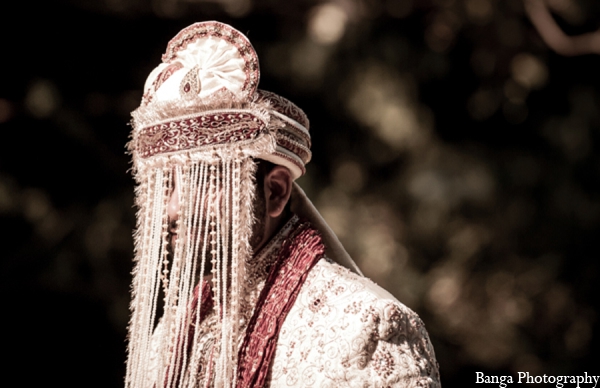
(454, 154)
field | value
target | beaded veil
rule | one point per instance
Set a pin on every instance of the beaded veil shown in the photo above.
(201, 125)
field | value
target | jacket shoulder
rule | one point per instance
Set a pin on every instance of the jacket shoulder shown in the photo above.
(345, 330)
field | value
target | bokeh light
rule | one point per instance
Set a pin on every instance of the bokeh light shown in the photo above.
(327, 23)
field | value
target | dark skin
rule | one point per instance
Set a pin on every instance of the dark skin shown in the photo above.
(275, 191)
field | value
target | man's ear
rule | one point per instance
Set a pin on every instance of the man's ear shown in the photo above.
(278, 188)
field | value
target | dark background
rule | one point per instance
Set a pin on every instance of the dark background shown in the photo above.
(455, 155)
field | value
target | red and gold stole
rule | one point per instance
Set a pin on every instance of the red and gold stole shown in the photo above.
(298, 255)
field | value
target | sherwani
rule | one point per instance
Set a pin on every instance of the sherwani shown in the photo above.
(342, 330)
(345, 331)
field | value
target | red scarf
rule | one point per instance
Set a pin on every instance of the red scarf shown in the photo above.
(298, 255)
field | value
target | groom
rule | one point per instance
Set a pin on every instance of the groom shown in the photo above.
(215, 159)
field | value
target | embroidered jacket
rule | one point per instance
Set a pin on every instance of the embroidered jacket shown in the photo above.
(345, 331)
(340, 330)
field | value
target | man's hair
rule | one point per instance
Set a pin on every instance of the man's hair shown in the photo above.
(263, 167)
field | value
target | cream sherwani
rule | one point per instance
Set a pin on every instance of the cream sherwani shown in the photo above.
(345, 331)
(342, 331)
